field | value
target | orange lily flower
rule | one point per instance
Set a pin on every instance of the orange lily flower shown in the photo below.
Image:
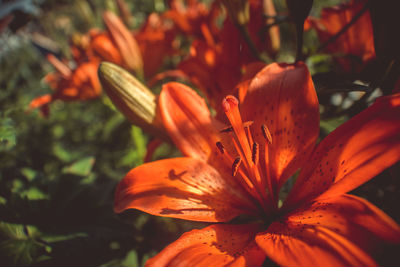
(240, 170)
(124, 40)
(116, 45)
(193, 18)
(69, 85)
(155, 40)
(212, 72)
(217, 64)
(357, 41)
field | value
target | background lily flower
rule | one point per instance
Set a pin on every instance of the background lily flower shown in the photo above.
(156, 41)
(125, 42)
(220, 58)
(355, 46)
(240, 170)
(69, 85)
(193, 18)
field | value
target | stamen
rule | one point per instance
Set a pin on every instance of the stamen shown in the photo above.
(247, 124)
(231, 109)
(220, 147)
(235, 165)
(255, 153)
(266, 133)
(227, 130)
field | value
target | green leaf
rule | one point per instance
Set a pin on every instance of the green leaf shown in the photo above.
(29, 173)
(140, 142)
(131, 259)
(34, 193)
(18, 247)
(82, 167)
(330, 125)
(7, 134)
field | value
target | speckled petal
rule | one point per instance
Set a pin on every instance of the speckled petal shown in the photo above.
(352, 154)
(184, 188)
(187, 119)
(216, 245)
(337, 232)
(282, 96)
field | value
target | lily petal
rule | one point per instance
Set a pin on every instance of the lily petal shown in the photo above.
(188, 121)
(283, 97)
(125, 41)
(336, 232)
(183, 188)
(352, 154)
(216, 245)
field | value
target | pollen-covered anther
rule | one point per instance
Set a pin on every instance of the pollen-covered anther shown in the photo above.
(255, 153)
(247, 124)
(229, 102)
(266, 133)
(227, 130)
(236, 165)
(220, 147)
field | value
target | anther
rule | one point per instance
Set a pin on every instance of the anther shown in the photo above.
(227, 130)
(230, 128)
(266, 133)
(235, 165)
(247, 124)
(255, 153)
(220, 147)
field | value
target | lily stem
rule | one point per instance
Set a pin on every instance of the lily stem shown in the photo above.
(299, 34)
(246, 35)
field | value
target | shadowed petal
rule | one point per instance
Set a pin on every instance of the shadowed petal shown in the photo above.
(216, 245)
(283, 97)
(188, 121)
(352, 154)
(336, 232)
(183, 188)
(250, 71)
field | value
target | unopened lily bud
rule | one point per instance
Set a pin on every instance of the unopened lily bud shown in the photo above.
(131, 97)
(299, 9)
(238, 11)
(125, 42)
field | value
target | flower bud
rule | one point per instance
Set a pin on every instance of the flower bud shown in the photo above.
(131, 97)
(299, 9)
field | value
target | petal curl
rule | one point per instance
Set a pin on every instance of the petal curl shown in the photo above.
(188, 121)
(183, 188)
(216, 245)
(354, 153)
(283, 97)
(336, 232)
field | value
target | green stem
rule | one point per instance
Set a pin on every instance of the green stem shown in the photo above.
(245, 34)
(299, 43)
